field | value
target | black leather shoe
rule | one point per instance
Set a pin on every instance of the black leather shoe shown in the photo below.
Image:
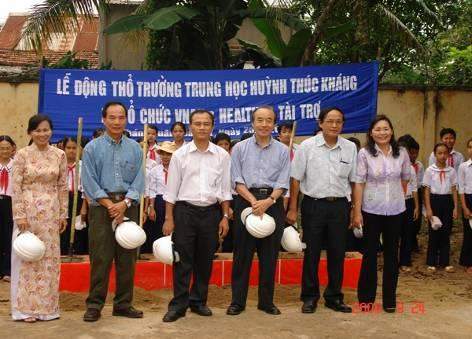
(129, 312)
(172, 316)
(234, 309)
(272, 310)
(202, 310)
(309, 307)
(389, 309)
(338, 306)
(92, 314)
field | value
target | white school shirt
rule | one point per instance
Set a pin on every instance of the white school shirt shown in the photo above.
(419, 171)
(156, 184)
(440, 180)
(149, 181)
(412, 184)
(464, 177)
(8, 190)
(454, 160)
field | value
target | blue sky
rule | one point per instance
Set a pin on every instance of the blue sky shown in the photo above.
(8, 6)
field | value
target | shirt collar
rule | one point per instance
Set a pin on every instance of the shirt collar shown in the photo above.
(445, 169)
(111, 140)
(8, 166)
(320, 141)
(452, 152)
(468, 162)
(211, 147)
(379, 151)
(254, 141)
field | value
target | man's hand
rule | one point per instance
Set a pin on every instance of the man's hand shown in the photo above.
(291, 217)
(22, 225)
(466, 212)
(116, 209)
(152, 213)
(168, 226)
(223, 228)
(260, 206)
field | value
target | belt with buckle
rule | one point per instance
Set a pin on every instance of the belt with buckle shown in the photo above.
(118, 196)
(330, 199)
(264, 190)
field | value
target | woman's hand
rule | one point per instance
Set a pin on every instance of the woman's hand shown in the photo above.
(62, 225)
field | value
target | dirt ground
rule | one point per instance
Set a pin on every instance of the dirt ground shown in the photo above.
(434, 306)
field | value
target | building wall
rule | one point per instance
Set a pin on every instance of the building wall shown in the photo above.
(420, 113)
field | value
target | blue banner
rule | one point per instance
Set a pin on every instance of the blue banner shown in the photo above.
(164, 97)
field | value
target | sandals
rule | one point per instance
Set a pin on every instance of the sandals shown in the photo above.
(431, 269)
(30, 320)
(449, 269)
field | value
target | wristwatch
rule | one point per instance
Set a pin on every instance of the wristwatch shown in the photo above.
(127, 202)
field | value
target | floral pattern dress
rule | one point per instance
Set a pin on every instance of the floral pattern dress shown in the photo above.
(40, 197)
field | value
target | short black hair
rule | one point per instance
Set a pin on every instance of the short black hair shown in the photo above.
(202, 111)
(127, 133)
(8, 139)
(445, 131)
(324, 112)
(35, 120)
(178, 123)
(153, 127)
(113, 103)
(408, 142)
(439, 144)
(246, 136)
(270, 108)
(221, 136)
(97, 132)
(356, 141)
(288, 125)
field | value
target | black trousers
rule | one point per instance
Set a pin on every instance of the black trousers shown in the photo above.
(466, 251)
(80, 237)
(267, 251)
(6, 229)
(153, 229)
(439, 245)
(195, 238)
(389, 227)
(323, 219)
(408, 233)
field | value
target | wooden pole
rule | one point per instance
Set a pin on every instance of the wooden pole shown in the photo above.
(76, 186)
(292, 136)
(145, 149)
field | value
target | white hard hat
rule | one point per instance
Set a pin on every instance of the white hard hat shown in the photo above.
(260, 227)
(129, 235)
(245, 213)
(358, 232)
(163, 250)
(29, 247)
(436, 223)
(291, 240)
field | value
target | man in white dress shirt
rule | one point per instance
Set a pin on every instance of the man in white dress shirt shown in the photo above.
(197, 206)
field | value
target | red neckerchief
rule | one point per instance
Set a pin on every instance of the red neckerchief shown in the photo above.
(165, 175)
(416, 167)
(450, 160)
(70, 172)
(4, 179)
(292, 154)
(442, 175)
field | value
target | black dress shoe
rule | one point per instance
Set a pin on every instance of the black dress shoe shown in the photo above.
(202, 310)
(309, 307)
(272, 310)
(234, 309)
(338, 306)
(172, 316)
(92, 314)
(390, 309)
(129, 312)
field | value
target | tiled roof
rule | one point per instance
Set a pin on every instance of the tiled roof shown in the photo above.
(84, 42)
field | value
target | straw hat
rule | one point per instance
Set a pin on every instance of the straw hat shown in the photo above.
(167, 146)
